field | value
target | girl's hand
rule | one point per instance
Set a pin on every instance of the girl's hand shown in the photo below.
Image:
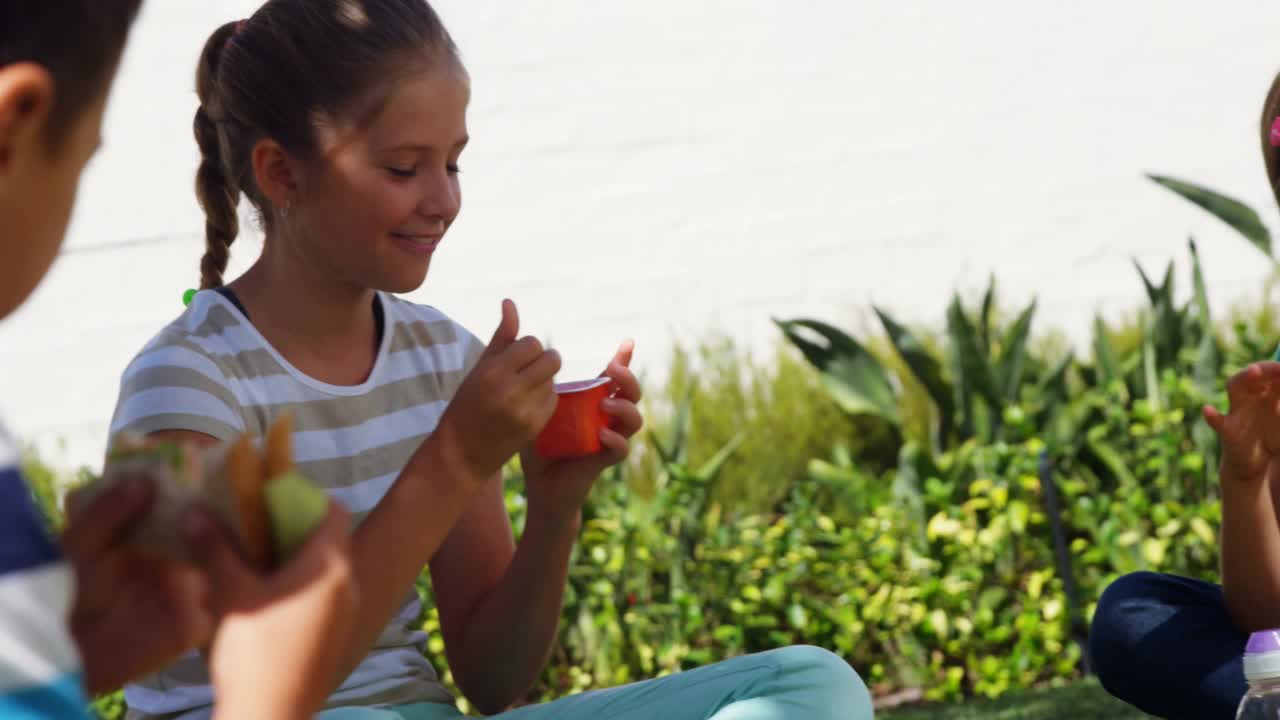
(556, 489)
(504, 402)
(1250, 431)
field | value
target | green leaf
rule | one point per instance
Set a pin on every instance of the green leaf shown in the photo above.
(1112, 461)
(969, 366)
(1104, 356)
(712, 467)
(828, 474)
(1153, 551)
(914, 467)
(1019, 512)
(1154, 292)
(1166, 285)
(1208, 367)
(797, 616)
(1169, 322)
(675, 449)
(854, 378)
(984, 320)
(1054, 384)
(992, 597)
(1208, 370)
(1201, 298)
(1151, 377)
(1203, 531)
(1229, 210)
(664, 453)
(1166, 321)
(925, 367)
(1013, 353)
(1056, 426)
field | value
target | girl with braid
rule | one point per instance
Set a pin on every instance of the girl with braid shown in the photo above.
(342, 123)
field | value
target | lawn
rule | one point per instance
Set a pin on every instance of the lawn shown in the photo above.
(1085, 700)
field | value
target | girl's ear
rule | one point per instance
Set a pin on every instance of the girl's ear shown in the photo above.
(26, 97)
(275, 172)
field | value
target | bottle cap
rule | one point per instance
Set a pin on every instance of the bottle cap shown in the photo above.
(1262, 656)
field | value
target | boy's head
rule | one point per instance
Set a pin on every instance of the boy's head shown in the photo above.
(57, 60)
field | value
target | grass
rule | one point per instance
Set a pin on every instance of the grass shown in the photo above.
(1084, 700)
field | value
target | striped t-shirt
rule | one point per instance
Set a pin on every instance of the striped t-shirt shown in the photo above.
(39, 664)
(211, 372)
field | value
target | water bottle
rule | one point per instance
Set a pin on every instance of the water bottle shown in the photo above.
(1262, 671)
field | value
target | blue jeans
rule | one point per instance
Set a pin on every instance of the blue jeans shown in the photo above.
(1166, 645)
(792, 683)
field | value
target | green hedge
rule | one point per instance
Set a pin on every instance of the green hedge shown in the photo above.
(760, 512)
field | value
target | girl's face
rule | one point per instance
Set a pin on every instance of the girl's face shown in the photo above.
(381, 198)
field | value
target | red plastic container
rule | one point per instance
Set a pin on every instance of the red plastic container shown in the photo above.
(574, 429)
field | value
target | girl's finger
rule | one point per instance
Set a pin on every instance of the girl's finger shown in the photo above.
(625, 353)
(616, 446)
(625, 384)
(1243, 386)
(1216, 420)
(541, 370)
(626, 417)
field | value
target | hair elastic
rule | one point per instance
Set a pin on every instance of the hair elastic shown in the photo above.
(239, 27)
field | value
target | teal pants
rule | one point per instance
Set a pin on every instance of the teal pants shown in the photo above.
(793, 683)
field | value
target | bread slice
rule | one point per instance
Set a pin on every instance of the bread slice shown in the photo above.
(178, 473)
(279, 447)
(244, 477)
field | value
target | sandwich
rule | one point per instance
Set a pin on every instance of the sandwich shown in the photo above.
(258, 493)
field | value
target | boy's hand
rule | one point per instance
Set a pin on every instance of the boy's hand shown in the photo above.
(132, 613)
(275, 649)
(1250, 431)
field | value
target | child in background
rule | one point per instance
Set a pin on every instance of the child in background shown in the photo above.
(342, 123)
(1173, 646)
(127, 614)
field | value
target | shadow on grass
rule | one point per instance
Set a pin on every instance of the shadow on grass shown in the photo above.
(1085, 700)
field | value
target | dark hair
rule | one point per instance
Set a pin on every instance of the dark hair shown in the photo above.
(291, 66)
(1271, 155)
(78, 41)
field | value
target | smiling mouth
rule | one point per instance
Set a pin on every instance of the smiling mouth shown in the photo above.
(424, 240)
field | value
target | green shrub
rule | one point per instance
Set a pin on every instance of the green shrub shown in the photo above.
(779, 407)
(46, 487)
(758, 513)
(1123, 442)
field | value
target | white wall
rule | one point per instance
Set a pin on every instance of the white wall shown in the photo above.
(655, 168)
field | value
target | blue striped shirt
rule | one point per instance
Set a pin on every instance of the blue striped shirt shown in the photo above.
(39, 665)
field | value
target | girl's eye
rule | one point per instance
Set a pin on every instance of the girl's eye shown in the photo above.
(402, 173)
(453, 169)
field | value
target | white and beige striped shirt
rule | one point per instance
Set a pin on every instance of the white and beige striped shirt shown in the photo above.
(210, 371)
